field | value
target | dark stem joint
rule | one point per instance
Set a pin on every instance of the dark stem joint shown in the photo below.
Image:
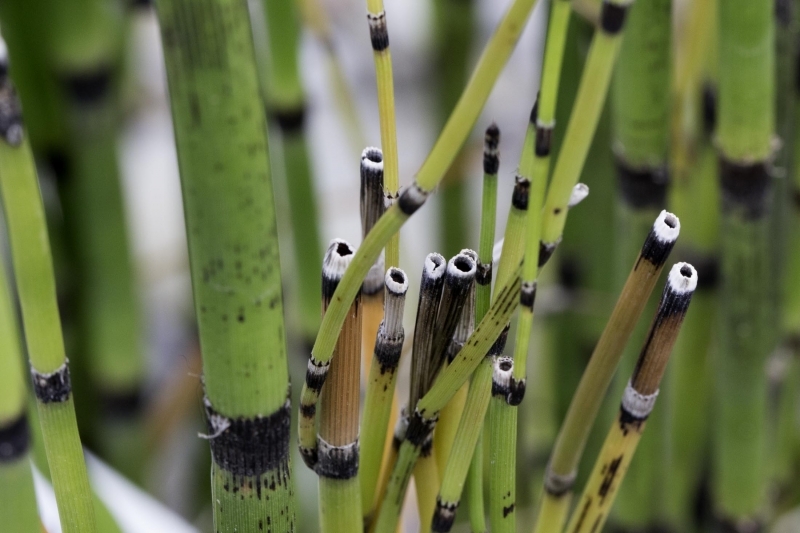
(491, 163)
(746, 187)
(249, 446)
(388, 351)
(483, 276)
(612, 17)
(527, 294)
(522, 188)
(500, 343)
(290, 121)
(444, 516)
(411, 199)
(337, 462)
(89, 87)
(544, 140)
(15, 439)
(655, 250)
(54, 387)
(316, 374)
(378, 32)
(642, 188)
(419, 429)
(546, 250)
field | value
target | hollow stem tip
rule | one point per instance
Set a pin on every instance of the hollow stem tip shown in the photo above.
(372, 196)
(396, 283)
(337, 258)
(430, 293)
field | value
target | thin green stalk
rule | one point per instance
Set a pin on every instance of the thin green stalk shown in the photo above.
(637, 404)
(18, 512)
(477, 515)
(286, 105)
(583, 409)
(641, 98)
(453, 33)
(745, 128)
(583, 121)
(233, 251)
(502, 452)
(30, 250)
(380, 388)
(451, 139)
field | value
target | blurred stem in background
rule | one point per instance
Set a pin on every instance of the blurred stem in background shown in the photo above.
(18, 511)
(744, 138)
(286, 107)
(640, 121)
(694, 194)
(30, 250)
(223, 158)
(453, 29)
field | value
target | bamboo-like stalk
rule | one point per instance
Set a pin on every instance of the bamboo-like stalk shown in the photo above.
(382, 57)
(637, 404)
(745, 127)
(230, 219)
(30, 251)
(337, 448)
(372, 205)
(583, 121)
(641, 98)
(18, 512)
(380, 388)
(455, 132)
(286, 106)
(583, 409)
(453, 32)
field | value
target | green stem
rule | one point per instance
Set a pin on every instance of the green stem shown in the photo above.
(30, 250)
(233, 251)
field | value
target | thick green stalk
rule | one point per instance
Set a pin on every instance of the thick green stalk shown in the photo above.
(641, 98)
(233, 250)
(453, 31)
(286, 106)
(747, 334)
(18, 512)
(30, 250)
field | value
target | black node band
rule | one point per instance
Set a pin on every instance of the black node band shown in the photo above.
(626, 418)
(316, 379)
(290, 120)
(89, 87)
(516, 392)
(54, 387)
(491, 163)
(483, 275)
(337, 462)
(655, 250)
(612, 17)
(411, 199)
(642, 188)
(499, 344)
(444, 516)
(388, 351)
(249, 446)
(378, 32)
(546, 251)
(519, 197)
(746, 187)
(527, 294)
(544, 140)
(419, 429)
(15, 439)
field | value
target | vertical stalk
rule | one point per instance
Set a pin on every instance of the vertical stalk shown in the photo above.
(637, 404)
(746, 124)
(30, 250)
(641, 98)
(566, 454)
(286, 105)
(337, 442)
(18, 512)
(233, 250)
(382, 57)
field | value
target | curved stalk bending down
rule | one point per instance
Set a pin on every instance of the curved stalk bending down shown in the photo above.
(582, 122)
(337, 449)
(637, 404)
(223, 157)
(586, 401)
(455, 132)
(744, 139)
(33, 266)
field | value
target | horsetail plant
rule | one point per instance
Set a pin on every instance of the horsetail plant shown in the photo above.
(287, 108)
(30, 252)
(568, 449)
(380, 388)
(337, 447)
(18, 512)
(382, 57)
(637, 403)
(583, 121)
(448, 144)
(233, 251)
(745, 128)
